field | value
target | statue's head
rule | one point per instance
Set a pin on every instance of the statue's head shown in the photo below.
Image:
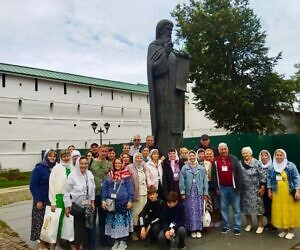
(164, 29)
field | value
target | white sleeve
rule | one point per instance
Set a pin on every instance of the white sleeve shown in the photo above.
(51, 194)
(92, 189)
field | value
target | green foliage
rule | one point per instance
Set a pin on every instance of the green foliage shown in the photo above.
(234, 79)
(13, 177)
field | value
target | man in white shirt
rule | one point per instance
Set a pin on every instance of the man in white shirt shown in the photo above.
(136, 147)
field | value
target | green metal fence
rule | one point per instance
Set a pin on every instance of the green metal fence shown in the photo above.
(289, 142)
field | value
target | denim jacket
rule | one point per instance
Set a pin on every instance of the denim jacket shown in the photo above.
(292, 174)
(186, 180)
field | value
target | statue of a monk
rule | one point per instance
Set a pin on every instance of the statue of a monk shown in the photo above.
(167, 78)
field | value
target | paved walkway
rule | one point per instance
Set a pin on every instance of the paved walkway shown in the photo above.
(18, 217)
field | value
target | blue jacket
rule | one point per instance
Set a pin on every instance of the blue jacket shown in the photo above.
(39, 183)
(292, 174)
(125, 193)
(186, 180)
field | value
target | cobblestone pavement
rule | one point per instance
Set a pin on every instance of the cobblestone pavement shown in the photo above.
(9, 240)
(18, 217)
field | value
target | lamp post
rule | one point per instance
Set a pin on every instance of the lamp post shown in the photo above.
(100, 131)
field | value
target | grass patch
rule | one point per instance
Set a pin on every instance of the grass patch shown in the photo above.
(14, 178)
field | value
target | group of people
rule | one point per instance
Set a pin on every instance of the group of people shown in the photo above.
(144, 195)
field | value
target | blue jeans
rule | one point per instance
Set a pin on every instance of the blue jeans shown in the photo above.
(229, 196)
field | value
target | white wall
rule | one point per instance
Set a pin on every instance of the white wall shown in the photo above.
(48, 118)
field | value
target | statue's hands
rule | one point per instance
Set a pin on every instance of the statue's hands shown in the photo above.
(169, 47)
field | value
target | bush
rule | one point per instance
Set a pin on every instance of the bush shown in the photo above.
(12, 174)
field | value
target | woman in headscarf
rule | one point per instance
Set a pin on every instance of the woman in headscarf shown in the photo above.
(213, 200)
(118, 186)
(193, 189)
(140, 177)
(266, 162)
(39, 187)
(155, 169)
(284, 190)
(57, 184)
(171, 171)
(254, 187)
(80, 189)
(201, 156)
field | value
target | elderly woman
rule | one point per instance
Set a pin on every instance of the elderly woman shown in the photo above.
(155, 170)
(193, 188)
(266, 162)
(39, 187)
(57, 183)
(171, 172)
(140, 177)
(118, 186)
(184, 152)
(254, 187)
(284, 190)
(79, 191)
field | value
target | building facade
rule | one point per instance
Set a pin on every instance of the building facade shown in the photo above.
(42, 109)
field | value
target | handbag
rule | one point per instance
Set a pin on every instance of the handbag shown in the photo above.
(77, 210)
(206, 216)
(110, 202)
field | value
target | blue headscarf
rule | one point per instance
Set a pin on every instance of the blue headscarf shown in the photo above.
(45, 162)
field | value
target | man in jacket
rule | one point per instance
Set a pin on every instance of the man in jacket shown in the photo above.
(228, 182)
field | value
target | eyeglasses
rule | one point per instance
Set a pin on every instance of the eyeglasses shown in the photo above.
(136, 139)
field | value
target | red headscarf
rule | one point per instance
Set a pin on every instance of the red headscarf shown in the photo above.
(118, 174)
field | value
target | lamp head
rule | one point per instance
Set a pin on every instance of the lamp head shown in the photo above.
(106, 126)
(94, 125)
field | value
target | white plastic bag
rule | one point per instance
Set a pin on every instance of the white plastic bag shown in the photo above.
(50, 225)
(67, 231)
(206, 216)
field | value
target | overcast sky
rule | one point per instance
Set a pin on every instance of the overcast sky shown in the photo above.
(109, 38)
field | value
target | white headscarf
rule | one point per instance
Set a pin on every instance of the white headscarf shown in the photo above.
(196, 160)
(279, 167)
(269, 163)
(139, 166)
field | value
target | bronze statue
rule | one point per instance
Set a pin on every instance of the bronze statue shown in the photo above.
(167, 77)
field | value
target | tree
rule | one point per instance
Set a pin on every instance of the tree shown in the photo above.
(234, 79)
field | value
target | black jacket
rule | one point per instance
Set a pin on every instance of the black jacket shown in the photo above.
(237, 173)
(167, 178)
(175, 215)
(151, 213)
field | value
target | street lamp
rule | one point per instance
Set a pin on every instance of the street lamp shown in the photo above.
(100, 131)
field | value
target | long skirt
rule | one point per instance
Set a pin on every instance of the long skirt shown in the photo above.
(194, 210)
(119, 223)
(37, 218)
(60, 204)
(80, 231)
(285, 211)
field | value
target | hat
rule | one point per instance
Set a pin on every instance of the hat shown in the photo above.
(204, 137)
(75, 153)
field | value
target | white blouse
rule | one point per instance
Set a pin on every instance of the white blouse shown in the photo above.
(76, 188)
(155, 173)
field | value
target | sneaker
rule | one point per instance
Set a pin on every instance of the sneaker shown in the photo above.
(198, 235)
(237, 232)
(182, 248)
(282, 234)
(122, 245)
(225, 230)
(116, 245)
(248, 228)
(289, 236)
(259, 230)
(193, 235)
